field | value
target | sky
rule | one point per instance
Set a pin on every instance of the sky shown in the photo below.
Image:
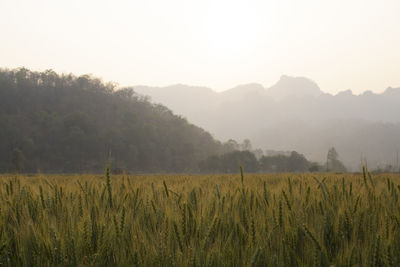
(341, 44)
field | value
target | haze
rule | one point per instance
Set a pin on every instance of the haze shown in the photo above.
(339, 44)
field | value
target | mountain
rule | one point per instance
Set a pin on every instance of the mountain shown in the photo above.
(242, 91)
(294, 114)
(65, 123)
(293, 87)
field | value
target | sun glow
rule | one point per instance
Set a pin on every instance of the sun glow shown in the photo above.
(232, 28)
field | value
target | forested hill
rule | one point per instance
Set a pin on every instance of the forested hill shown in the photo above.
(65, 123)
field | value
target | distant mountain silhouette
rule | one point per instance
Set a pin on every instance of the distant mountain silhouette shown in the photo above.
(242, 91)
(293, 87)
(294, 114)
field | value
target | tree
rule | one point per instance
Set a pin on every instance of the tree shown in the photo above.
(294, 162)
(332, 154)
(231, 145)
(246, 145)
(17, 161)
(297, 162)
(230, 162)
(333, 163)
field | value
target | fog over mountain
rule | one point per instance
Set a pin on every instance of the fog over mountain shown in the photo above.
(294, 114)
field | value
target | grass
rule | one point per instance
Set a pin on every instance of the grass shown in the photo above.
(190, 220)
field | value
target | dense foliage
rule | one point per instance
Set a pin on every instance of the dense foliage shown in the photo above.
(294, 162)
(64, 123)
(229, 162)
(256, 220)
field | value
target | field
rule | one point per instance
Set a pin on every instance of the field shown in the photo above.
(200, 220)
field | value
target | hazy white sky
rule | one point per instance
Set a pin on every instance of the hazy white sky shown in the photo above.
(340, 44)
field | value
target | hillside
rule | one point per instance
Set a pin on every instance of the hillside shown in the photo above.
(64, 123)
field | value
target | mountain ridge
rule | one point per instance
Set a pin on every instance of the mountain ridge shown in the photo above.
(249, 111)
(253, 86)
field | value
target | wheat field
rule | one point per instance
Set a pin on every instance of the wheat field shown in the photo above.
(200, 220)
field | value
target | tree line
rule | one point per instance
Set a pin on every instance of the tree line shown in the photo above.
(294, 162)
